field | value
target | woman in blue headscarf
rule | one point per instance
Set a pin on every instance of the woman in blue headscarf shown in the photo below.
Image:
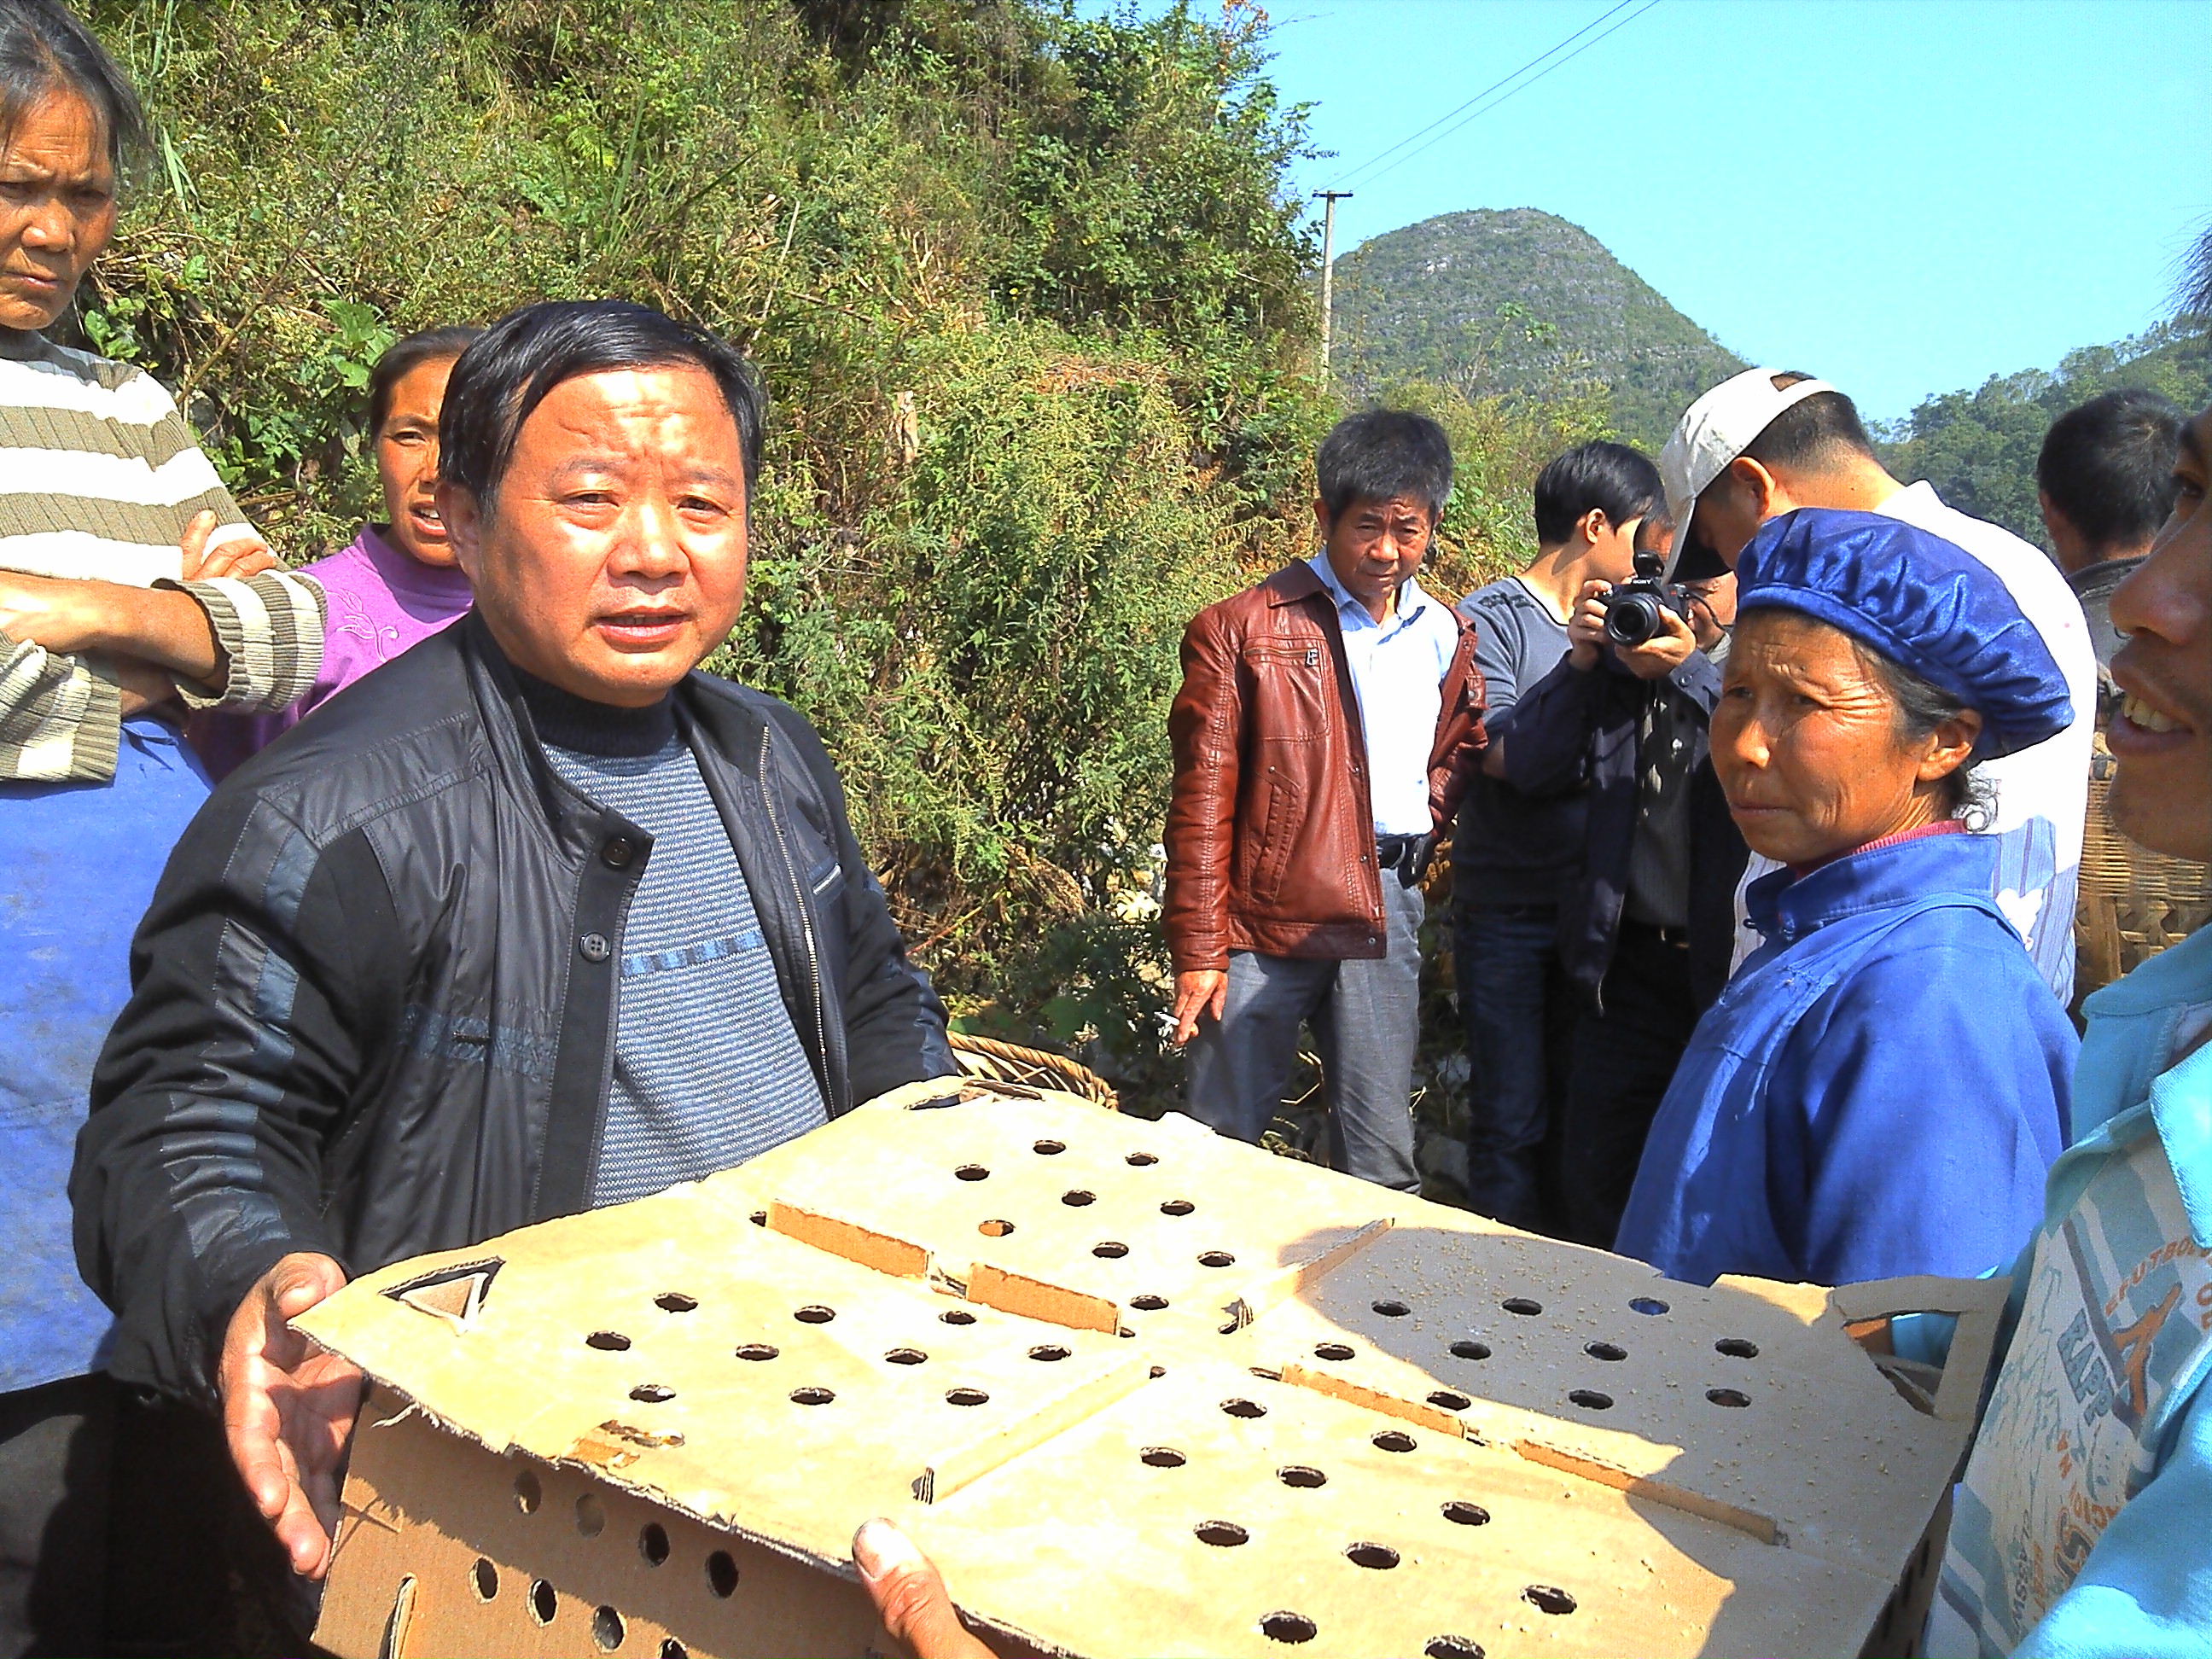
(1881, 1088)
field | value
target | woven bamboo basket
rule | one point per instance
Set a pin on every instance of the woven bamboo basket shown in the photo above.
(2134, 903)
(1033, 1068)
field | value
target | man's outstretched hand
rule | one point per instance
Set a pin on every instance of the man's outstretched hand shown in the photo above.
(288, 1408)
(910, 1596)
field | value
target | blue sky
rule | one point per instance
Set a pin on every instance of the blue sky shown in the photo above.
(1903, 195)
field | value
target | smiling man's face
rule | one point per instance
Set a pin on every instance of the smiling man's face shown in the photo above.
(613, 556)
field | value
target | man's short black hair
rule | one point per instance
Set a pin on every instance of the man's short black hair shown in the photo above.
(1381, 454)
(2108, 466)
(1610, 477)
(520, 358)
(1818, 435)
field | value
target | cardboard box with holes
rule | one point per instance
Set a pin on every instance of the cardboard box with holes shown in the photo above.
(1138, 1391)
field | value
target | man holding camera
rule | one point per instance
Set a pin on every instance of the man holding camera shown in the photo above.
(1624, 716)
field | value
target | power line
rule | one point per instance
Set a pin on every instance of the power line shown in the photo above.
(1479, 96)
(1523, 87)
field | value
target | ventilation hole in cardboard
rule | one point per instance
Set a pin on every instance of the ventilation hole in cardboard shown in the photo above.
(1461, 1513)
(1375, 1556)
(1076, 1198)
(1727, 1396)
(1289, 1627)
(757, 1351)
(1391, 1309)
(1736, 1348)
(1110, 1249)
(1548, 1598)
(528, 1494)
(1148, 1303)
(905, 1357)
(1526, 1307)
(1177, 1206)
(1216, 1259)
(759, 1218)
(722, 1574)
(1451, 1399)
(812, 1394)
(1452, 1647)
(1141, 1160)
(1246, 1409)
(1650, 1306)
(1334, 1351)
(672, 1649)
(1393, 1440)
(652, 1394)
(957, 1317)
(1590, 1399)
(1607, 1351)
(1047, 1350)
(485, 1577)
(608, 1341)
(815, 1315)
(1299, 1475)
(607, 1628)
(676, 1302)
(1126, 1331)
(971, 1172)
(1470, 1350)
(966, 1397)
(1049, 1148)
(1162, 1457)
(591, 1515)
(653, 1543)
(995, 1228)
(1221, 1535)
(542, 1605)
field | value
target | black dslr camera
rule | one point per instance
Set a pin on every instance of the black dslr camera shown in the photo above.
(1632, 609)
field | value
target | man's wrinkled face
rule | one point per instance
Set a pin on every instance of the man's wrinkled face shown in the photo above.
(2163, 736)
(1727, 514)
(1374, 547)
(612, 558)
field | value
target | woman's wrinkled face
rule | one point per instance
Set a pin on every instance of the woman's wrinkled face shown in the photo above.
(56, 208)
(1807, 745)
(407, 462)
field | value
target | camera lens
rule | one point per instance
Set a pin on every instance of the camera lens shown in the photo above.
(1632, 618)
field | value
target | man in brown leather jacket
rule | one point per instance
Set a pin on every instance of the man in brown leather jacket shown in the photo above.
(1328, 719)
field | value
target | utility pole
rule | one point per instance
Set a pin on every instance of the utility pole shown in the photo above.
(1329, 199)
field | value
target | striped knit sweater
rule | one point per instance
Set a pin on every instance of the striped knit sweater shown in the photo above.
(98, 477)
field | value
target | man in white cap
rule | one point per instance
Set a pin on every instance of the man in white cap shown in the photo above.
(1764, 443)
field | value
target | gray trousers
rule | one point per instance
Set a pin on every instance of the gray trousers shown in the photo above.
(1366, 1019)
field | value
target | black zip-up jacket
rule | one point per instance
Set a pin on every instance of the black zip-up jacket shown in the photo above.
(373, 1000)
(1577, 729)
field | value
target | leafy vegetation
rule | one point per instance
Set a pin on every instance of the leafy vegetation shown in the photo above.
(1518, 302)
(1978, 447)
(1030, 293)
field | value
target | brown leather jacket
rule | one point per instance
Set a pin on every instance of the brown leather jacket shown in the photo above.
(1270, 834)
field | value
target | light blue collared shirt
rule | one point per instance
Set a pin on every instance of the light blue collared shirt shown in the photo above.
(1398, 668)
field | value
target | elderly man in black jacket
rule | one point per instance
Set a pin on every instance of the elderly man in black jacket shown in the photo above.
(535, 918)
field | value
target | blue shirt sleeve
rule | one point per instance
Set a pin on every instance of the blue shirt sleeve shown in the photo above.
(2145, 1591)
(1914, 1111)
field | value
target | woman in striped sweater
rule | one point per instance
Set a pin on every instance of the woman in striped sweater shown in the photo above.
(130, 587)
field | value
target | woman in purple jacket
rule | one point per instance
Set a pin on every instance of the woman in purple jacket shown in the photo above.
(395, 583)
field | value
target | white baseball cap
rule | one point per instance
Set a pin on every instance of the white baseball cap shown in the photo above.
(1716, 429)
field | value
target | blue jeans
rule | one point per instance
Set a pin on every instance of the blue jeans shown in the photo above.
(1518, 1008)
(1365, 1016)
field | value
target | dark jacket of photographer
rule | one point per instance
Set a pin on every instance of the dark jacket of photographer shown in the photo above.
(373, 1008)
(1580, 728)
